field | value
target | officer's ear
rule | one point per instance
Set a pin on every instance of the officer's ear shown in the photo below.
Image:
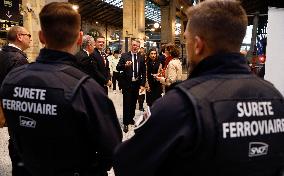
(80, 38)
(41, 37)
(198, 45)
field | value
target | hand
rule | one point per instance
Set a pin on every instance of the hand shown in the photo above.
(148, 89)
(141, 89)
(109, 83)
(158, 78)
(128, 63)
(154, 75)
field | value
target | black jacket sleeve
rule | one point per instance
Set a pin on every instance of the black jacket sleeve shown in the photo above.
(102, 72)
(121, 63)
(108, 70)
(101, 121)
(99, 77)
(143, 72)
(167, 134)
(10, 58)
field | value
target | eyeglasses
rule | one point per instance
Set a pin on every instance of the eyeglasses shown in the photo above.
(29, 35)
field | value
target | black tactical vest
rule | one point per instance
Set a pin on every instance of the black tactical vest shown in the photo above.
(47, 131)
(240, 121)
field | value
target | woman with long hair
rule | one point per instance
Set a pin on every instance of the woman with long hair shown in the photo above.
(155, 89)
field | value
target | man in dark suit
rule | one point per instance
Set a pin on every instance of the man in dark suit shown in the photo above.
(12, 56)
(87, 63)
(134, 77)
(102, 62)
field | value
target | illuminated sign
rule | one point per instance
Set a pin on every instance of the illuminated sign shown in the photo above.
(9, 10)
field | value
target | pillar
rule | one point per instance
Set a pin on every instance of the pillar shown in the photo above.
(274, 52)
(31, 9)
(251, 53)
(168, 19)
(133, 21)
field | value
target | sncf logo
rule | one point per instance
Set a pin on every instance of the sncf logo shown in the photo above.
(257, 149)
(27, 122)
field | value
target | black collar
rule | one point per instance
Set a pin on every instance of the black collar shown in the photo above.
(13, 49)
(226, 63)
(54, 56)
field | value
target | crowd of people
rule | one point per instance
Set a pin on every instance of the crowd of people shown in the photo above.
(61, 121)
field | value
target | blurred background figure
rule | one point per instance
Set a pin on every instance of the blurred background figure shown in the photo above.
(107, 52)
(113, 61)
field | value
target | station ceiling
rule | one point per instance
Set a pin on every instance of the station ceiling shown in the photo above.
(98, 10)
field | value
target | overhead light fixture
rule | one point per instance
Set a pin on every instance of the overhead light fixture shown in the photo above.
(75, 7)
(156, 25)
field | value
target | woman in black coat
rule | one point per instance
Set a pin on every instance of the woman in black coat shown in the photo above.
(155, 87)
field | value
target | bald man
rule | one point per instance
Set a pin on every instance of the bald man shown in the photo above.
(12, 56)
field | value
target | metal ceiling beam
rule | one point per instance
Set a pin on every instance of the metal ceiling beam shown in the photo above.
(93, 7)
(105, 17)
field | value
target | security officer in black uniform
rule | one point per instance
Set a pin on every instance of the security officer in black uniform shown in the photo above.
(222, 121)
(60, 120)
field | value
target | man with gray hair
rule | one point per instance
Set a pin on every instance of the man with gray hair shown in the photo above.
(12, 56)
(86, 62)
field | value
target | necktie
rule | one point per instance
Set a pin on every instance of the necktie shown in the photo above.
(135, 66)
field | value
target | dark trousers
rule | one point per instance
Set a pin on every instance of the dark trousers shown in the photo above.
(130, 96)
(141, 99)
(106, 89)
(153, 95)
(115, 78)
(18, 168)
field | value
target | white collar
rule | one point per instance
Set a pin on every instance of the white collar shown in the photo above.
(133, 53)
(13, 45)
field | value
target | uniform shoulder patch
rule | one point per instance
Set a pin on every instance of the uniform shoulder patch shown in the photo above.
(143, 118)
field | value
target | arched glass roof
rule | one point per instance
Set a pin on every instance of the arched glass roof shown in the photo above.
(152, 11)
